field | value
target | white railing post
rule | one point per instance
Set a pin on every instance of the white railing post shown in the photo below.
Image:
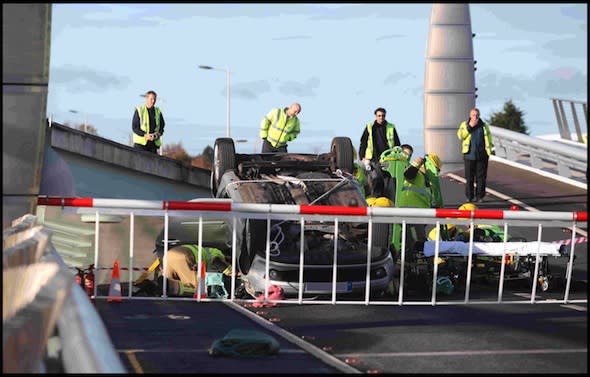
(403, 264)
(233, 258)
(537, 259)
(164, 257)
(335, 265)
(469, 259)
(301, 259)
(503, 264)
(96, 266)
(570, 265)
(368, 273)
(131, 232)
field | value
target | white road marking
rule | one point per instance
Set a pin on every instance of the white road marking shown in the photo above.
(544, 173)
(575, 307)
(192, 350)
(465, 353)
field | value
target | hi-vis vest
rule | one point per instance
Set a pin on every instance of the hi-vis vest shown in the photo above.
(415, 194)
(277, 129)
(465, 137)
(207, 253)
(418, 192)
(389, 128)
(144, 124)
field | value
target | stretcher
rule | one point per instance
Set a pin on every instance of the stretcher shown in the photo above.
(519, 260)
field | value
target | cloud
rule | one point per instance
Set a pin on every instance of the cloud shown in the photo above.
(83, 79)
(556, 82)
(288, 38)
(250, 90)
(512, 16)
(393, 78)
(300, 89)
(390, 36)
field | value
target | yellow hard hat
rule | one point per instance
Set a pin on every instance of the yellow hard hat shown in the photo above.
(381, 201)
(468, 207)
(435, 160)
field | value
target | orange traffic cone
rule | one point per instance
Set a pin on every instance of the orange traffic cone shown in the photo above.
(115, 288)
(201, 283)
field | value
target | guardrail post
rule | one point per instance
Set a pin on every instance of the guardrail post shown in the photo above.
(566, 130)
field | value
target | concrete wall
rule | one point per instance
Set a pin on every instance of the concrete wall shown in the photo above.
(25, 76)
(78, 164)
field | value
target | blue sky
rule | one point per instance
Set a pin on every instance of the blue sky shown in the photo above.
(340, 61)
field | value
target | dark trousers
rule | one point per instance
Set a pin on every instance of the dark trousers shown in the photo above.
(268, 148)
(476, 172)
(150, 146)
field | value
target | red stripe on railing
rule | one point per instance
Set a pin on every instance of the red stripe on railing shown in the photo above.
(66, 202)
(198, 206)
(332, 210)
(465, 214)
(580, 216)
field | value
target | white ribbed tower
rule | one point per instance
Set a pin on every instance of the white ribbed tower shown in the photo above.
(449, 81)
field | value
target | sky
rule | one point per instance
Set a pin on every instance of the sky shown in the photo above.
(339, 61)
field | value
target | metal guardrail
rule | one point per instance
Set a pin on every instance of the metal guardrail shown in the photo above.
(562, 119)
(568, 161)
(49, 324)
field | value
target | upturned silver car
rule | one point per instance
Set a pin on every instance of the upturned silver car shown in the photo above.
(290, 178)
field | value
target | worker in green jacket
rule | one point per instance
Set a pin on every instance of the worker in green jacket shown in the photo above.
(420, 190)
(279, 127)
(182, 267)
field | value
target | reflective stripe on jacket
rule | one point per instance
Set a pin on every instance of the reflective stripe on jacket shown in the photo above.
(207, 254)
(144, 124)
(275, 128)
(415, 194)
(389, 131)
(465, 137)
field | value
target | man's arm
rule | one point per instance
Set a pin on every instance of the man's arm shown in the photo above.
(162, 124)
(135, 124)
(295, 132)
(363, 146)
(396, 141)
(265, 124)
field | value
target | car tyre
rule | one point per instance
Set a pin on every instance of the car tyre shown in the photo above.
(342, 154)
(224, 159)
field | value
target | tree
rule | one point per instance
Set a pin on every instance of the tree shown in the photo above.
(205, 160)
(177, 152)
(208, 155)
(88, 128)
(511, 118)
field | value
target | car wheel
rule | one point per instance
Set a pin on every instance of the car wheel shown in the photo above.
(224, 158)
(342, 154)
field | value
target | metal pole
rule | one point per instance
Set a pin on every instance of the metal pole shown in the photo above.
(85, 122)
(228, 133)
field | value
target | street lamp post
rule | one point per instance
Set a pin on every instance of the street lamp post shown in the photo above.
(85, 119)
(228, 95)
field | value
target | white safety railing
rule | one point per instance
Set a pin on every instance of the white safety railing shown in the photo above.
(567, 161)
(203, 209)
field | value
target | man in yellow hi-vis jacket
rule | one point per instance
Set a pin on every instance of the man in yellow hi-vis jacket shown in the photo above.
(279, 127)
(148, 124)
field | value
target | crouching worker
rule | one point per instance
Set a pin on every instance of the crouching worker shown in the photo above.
(182, 270)
(181, 273)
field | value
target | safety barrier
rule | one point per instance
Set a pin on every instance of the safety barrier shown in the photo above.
(43, 310)
(568, 161)
(201, 209)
